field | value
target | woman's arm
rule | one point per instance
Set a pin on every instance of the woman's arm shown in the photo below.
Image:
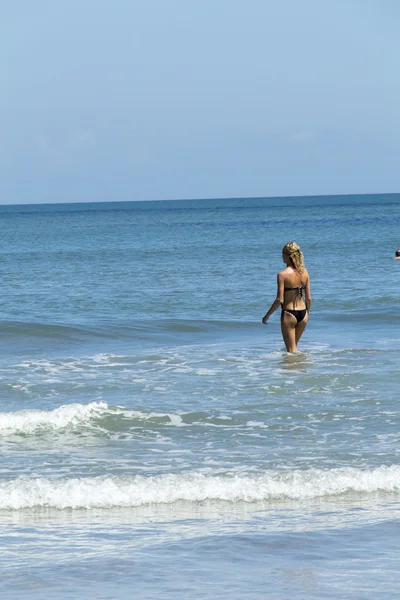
(278, 300)
(308, 294)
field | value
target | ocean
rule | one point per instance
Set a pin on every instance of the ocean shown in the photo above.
(158, 442)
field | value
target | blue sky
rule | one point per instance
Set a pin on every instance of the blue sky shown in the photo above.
(163, 99)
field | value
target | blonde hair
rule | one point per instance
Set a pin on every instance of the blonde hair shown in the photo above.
(292, 250)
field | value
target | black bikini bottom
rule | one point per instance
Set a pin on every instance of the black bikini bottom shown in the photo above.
(299, 314)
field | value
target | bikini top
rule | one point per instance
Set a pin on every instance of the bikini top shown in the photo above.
(300, 289)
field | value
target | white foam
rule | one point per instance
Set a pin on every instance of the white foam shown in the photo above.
(28, 422)
(176, 420)
(108, 492)
(31, 421)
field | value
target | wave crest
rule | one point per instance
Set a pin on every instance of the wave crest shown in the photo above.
(108, 492)
(26, 422)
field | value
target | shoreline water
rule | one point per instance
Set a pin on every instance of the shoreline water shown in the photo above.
(154, 433)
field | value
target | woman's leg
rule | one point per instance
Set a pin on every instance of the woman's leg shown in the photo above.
(288, 328)
(300, 327)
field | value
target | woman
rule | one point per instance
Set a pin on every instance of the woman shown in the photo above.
(293, 295)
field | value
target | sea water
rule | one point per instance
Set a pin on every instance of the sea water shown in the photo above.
(158, 442)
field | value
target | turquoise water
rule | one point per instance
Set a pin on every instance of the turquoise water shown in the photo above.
(156, 439)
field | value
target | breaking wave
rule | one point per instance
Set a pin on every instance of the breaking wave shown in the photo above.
(124, 491)
(97, 416)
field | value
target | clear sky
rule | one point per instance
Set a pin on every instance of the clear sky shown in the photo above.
(106, 100)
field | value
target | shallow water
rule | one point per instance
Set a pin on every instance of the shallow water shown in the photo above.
(157, 440)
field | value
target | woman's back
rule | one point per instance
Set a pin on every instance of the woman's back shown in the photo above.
(294, 285)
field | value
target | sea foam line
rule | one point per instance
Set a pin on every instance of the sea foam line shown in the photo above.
(75, 416)
(125, 491)
(32, 421)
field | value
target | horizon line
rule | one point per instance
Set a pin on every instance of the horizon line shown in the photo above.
(284, 196)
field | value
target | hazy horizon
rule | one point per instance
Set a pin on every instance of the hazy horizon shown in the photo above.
(222, 199)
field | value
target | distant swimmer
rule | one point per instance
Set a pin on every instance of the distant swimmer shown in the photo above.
(293, 295)
(397, 256)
